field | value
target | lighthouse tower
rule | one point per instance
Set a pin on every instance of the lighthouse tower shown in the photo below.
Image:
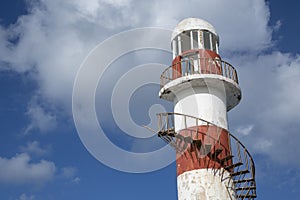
(212, 164)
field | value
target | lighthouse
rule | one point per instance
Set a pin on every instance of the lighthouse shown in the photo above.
(212, 164)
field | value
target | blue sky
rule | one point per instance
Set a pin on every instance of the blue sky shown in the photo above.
(42, 45)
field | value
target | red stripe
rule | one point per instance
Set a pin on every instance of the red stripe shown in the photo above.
(195, 156)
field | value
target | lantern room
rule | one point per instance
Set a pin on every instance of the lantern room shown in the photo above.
(194, 34)
(195, 47)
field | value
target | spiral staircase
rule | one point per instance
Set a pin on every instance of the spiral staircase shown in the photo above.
(238, 162)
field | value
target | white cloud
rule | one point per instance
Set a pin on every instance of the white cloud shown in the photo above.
(245, 130)
(76, 180)
(26, 197)
(263, 145)
(277, 25)
(68, 172)
(41, 120)
(35, 148)
(270, 101)
(21, 170)
(54, 38)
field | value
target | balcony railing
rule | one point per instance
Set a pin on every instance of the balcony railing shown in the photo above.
(198, 66)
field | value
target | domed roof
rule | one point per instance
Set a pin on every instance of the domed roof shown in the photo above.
(193, 23)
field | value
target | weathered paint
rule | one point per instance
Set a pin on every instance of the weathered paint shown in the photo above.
(205, 184)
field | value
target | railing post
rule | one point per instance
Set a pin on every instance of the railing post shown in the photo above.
(239, 151)
(159, 121)
(185, 123)
(246, 159)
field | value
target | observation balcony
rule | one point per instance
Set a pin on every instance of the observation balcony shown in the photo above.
(201, 72)
(198, 66)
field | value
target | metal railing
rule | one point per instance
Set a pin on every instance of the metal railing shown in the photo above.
(198, 66)
(241, 165)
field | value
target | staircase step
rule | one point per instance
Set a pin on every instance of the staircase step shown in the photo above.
(179, 137)
(233, 165)
(243, 180)
(196, 145)
(207, 148)
(180, 143)
(161, 133)
(188, 139)
(243, 196)
(170, 132)
(246, 188)
(215, 154)
(226, 158)
(240, 173)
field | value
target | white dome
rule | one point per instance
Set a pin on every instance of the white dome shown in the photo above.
(193, 23)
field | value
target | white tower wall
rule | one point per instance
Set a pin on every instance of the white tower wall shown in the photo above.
(208, 103)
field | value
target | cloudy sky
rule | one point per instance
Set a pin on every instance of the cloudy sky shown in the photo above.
(44, 43)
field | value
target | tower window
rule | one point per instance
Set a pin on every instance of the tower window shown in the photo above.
(195, 39)
(214, 43)
(185, 41)
(174, 47)
(206, 36)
